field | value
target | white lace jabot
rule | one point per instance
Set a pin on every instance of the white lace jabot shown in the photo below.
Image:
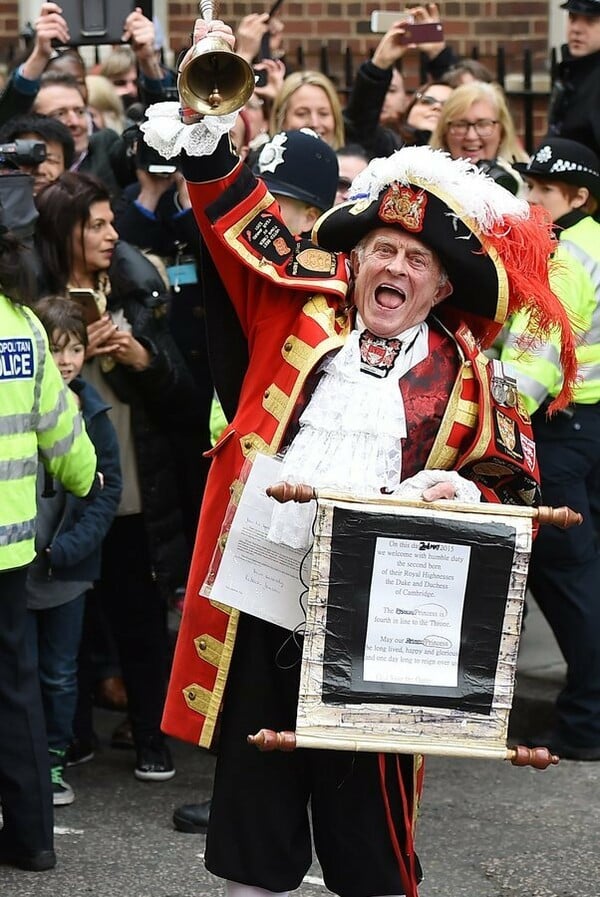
(350, 432)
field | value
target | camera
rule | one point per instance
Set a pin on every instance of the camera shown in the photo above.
(151, 161)
(22, 152)
(144, 156)
(500, 174)
(260, 77)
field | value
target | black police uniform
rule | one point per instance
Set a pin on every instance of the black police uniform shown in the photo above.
(575, 102)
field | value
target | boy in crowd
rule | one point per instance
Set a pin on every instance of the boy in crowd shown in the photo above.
(68, 542)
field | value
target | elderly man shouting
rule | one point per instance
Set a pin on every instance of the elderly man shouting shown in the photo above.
(365, 372)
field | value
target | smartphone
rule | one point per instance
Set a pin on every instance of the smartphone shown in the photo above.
(86, 300)
(382, 21)
(265, 42)
(423, 33)
(275, 7)
(260, 77)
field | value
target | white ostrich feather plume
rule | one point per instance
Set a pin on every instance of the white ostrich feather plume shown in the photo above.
(471, 192)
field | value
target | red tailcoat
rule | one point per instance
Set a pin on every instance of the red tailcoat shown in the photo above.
(289, 296)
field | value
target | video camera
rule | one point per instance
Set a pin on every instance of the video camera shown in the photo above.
(16, 186)
(22, 152)
(500, 174)
(144, 156)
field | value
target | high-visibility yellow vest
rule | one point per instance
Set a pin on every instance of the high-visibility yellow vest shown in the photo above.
(575, 278)
(38, 418)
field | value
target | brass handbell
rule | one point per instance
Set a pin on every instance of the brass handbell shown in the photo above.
(215, 80)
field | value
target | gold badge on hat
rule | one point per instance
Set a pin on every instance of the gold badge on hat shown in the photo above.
(403, 205)
(360, 206)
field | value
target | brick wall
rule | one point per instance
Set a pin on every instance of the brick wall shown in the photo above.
(484, 26)
(515, 25)
(9, 29)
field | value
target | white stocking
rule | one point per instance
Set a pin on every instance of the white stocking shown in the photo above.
(233, 889)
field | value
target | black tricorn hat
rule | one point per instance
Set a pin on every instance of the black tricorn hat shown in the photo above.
(494, 247)
(559, 159)
(583, 7)
(448, 204)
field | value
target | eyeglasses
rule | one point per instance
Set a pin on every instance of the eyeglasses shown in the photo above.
(484, 127)
(427, 100)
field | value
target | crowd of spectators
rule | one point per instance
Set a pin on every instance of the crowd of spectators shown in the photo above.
(111, 234)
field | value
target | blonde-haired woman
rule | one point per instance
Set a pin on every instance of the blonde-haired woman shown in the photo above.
(309, 100)
(476, 124)
(120, 67)
(104, 103)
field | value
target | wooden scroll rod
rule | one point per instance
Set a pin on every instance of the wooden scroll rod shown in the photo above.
(562, 517)
(267, 740)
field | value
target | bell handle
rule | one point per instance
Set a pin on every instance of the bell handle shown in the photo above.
(206, 8)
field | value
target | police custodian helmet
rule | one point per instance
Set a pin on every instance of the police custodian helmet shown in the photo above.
(583, 7)
(300, 165)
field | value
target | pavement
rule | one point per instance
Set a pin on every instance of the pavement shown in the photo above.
(540, 673)
(486, 829)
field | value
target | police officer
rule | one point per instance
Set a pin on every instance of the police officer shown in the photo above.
(564, 177)
(575, 103)
(38, 415)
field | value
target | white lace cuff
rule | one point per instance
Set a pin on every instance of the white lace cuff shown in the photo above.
(168, 135)
(414, 486)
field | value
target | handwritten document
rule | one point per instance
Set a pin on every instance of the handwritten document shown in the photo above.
(255, 575)
(415, 612)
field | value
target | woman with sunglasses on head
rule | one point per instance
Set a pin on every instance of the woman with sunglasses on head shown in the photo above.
(475, 124)
(423, 113)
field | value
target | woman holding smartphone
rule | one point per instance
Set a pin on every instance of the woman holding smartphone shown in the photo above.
(135, 365)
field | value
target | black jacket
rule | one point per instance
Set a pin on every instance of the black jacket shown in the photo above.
(361, 115)
(75, 548)
(223, 359)
(164, 414)
(575, 102)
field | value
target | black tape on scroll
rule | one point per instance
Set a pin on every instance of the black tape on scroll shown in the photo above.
(352, 555)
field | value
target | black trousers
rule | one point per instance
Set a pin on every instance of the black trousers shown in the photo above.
(25, 788)
(137, 615)
(564, 573)
(259, 831)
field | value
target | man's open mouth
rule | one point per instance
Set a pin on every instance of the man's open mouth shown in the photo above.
(388, 296)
